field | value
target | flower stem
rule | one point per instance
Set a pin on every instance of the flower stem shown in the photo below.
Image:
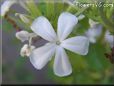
(102, 35)
(81, 11)
(12, 22)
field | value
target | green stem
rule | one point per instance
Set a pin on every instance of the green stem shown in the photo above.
(70, 7)
(49, 8)
(81, 11)
(34, 11)
(102, 35)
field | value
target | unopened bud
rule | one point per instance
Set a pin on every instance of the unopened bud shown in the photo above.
(23, 17)
(26, 50)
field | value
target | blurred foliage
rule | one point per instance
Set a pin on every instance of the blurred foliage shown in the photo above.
(92, 68)
(6, 26)
(15, 71)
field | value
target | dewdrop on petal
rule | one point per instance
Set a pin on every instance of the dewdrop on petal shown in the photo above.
(26, 50)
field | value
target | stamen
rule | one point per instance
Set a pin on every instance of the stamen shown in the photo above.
(58, 42)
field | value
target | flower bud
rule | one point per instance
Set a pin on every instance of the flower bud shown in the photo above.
(23, 18)
(26, 50)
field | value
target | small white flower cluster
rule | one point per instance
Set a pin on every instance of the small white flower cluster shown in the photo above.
(95, 31)
(39, 57)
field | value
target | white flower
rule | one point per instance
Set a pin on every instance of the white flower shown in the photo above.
(57, 42)
(6, 6)
(109, 38)
(26, 50)
(24, 35)
(94, 31)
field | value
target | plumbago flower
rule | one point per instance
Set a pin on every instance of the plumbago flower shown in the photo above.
(57, 43)
(94, 31)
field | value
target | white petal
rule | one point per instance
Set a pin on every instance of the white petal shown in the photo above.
(66, 22)
(94, 32)
(109, 38)
(5, 6)
(77, 44)
(22, 35)
(62, 66)
(43, 28)
(40, 56)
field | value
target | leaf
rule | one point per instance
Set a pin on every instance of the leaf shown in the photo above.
(96, 58)
(6, 26)
(34, 11)
(50, 9)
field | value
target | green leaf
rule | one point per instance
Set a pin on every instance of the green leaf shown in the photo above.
(6, 26)
(50, 10)
(96, 57)
(34, 11)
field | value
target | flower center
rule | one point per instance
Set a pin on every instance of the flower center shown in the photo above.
(58, 42)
